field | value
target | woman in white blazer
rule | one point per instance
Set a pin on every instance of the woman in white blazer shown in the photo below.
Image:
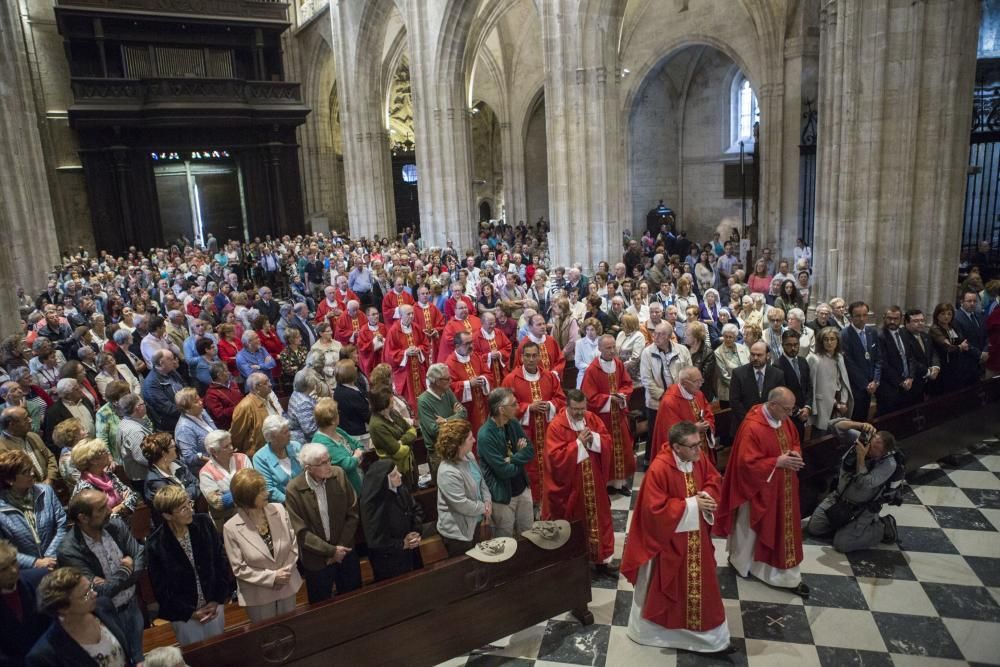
(262, 549)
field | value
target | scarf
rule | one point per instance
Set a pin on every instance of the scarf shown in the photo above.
(107, 485)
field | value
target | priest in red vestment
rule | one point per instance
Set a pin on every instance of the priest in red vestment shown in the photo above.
(428, 319)
(539, 397)
(328, 309)
(608, 386)
(494, 348)
(349, 324)
(575, 466)
(343, 293)
(551, 358)
(392, 301)
(457, 297)
(759, 509)
(468, 380)
(683, 401)
(371, 342)
(669, 556)
(463, 322)
(407, 352)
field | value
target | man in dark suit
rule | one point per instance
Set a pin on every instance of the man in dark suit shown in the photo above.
(797, 379)
(968, 324)
(859, 345)
(267, 306)
(751, 383)
(895, 391)
(926, 365)
(300, 321)
(71, 398)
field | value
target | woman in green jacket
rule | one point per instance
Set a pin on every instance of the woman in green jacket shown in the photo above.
(344, 450)
(391, 435)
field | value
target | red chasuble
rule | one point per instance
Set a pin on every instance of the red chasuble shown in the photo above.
(343, 297)
(476, 407)
(546, 388)
(597, 387)
(673, 409)
(773, 493)
(683, 589)
(348, 327)
(368, 356)
(389, 303)
(551, 357)
(408, 379)
(578, 490)
(449, 307)
(431, 322)
(499, 343)
(470, 325)
(324, 313)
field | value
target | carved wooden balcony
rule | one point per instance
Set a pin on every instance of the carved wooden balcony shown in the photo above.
(263, 10)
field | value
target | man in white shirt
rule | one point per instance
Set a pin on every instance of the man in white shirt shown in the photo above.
(659, 367)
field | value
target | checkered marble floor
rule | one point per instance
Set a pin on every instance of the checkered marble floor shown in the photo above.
(932, 599)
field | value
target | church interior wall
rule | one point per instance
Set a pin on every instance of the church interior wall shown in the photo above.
(653, 149)
(536, 171)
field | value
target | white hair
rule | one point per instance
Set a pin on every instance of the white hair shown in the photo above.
(796, 314)
(66, 386)
(730, 328)
(255, 380)
(311, 453)
(216, 439)
(165, 656)
(272, 425)
(247, 335)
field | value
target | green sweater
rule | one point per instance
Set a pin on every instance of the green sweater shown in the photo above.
(341, 457)
(493, 444)
(429, 408)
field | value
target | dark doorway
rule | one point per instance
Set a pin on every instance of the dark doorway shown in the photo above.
(485, 211)
(404, 187)
(197, 199)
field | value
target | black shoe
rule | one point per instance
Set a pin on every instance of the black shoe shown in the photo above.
(729, 650)
(801, 590)
(606, 569)
(612, 490)
(625, 491)
(891, 535)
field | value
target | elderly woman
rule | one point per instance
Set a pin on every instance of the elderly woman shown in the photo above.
(65, 436)
(709, 310)
(293, 357)
(216, 474)
(629, 345)
(165, 469)
(751, 334)
(832, 395)
(325, 352)
(797, 322)
(345, 451)
(353, 402)
(111, 371)
(278, 459)
(702, 355)
(392, 520)
(124, 355)
(262, 549)
(222, 396)
(86, 630)
(93, 460)
(463, 499)
(269, 341)
(229, 346)
(108, 419)
(188, 570)
(301, 404)
(192, 427)
(381, 378)
(729, 356)
(391, 434)
(31, 517)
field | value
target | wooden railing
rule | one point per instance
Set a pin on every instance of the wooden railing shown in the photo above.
(268, 10)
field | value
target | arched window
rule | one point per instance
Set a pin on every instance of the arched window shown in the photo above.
(744, 112)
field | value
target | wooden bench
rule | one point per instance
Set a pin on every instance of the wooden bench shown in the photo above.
(424, 617)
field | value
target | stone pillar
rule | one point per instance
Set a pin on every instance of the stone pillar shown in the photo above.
(896, 82)
(512, 143)
(27, 226)
(583, 132)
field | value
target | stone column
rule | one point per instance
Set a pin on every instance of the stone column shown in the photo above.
(27, 226)
(512, 143)
(896, 82)
(583, 133)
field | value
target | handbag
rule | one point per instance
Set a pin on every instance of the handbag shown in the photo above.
(842, 513)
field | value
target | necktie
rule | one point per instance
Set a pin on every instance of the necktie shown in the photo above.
(795, 367)
(902, 352)
(760, 382)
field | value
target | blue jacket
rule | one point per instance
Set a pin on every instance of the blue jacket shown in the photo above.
(245, 359)
(190, 438)
(158, 392)
(266, 464)
(50, 524)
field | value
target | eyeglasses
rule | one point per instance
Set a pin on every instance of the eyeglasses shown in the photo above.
(692, 446)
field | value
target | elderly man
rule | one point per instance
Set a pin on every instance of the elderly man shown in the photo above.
(463, 320)
(132, 430)
(394, 300)
(824, 318)
(436, 406)
(301, 322)
(659, 366)
(406, 350)
(329, 310)
(608, 387)
(344, 294)
(759, 508)
(103, 548)
(198, 332)
(685, 402)
(253, 357)
(159, 389)
(16, 435)
(371, 341)
(350, 323)
(267, 306)
(504, 450)
(250, 413)
(19, 393)
(429, 319)
(177, 328)
(72, 403)
(550, 355)
(655, 317)
(493, 347)
(323, 509)
(285, 322)
(457, 296)
(468, 380)
(156, 340)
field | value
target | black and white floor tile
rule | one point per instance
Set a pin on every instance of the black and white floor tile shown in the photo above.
(933, 599)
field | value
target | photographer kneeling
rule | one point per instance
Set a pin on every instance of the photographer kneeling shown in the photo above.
(871, 475)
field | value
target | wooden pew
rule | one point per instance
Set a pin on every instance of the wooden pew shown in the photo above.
(422, 618)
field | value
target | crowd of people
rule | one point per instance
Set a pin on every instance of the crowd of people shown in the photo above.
(269, 403)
